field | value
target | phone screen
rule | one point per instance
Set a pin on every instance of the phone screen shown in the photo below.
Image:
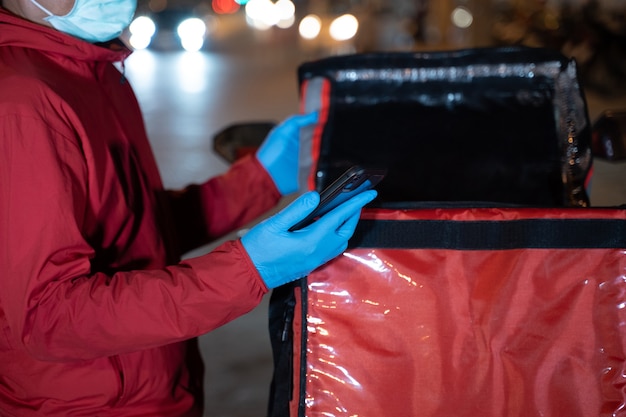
(352, 182)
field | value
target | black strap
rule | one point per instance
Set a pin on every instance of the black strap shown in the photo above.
(491, 235)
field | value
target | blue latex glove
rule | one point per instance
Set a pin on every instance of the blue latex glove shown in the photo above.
(282, 256)
(279, 152)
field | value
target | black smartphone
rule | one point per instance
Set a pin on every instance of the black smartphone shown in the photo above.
(352, 182)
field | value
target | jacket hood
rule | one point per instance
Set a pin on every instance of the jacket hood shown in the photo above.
(19, 32)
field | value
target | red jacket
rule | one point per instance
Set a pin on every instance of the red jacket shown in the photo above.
(97, 315)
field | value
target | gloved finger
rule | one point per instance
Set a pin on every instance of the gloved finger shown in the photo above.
(297, 210)
(335, 218)
(291, 126)
(347, 228)
(301, 120)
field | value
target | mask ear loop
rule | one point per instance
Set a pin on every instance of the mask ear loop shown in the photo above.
(46, 11)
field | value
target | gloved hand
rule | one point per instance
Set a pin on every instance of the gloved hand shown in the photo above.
(282, 256)
(279, 152)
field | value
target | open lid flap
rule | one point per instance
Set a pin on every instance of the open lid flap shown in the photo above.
(505, 125)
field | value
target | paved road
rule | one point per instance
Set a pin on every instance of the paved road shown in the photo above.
(187, 98)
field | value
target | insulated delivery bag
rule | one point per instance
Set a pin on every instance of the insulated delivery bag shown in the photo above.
(480, 282)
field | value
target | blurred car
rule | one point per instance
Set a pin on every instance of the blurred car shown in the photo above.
(169, 29)
(330, 33)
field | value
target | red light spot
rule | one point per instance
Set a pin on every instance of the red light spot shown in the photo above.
(225, 6)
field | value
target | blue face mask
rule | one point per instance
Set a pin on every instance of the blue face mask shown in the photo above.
(93, 20)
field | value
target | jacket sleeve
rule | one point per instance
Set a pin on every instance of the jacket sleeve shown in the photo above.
(202, 213)
(53, 305)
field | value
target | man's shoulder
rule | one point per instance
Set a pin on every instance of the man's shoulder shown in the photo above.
(21, 75)
(22, 93)
(30, 103)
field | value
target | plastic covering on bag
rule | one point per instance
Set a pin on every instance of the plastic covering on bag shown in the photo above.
(474, 312)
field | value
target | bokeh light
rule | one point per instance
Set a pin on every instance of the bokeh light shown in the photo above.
(310, 26)
(462, 17)
(191, 33)
(141, 30)
(263, 14)
(344, 27)
(225, 6)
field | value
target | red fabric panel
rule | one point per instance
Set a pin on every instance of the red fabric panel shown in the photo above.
(467, 333)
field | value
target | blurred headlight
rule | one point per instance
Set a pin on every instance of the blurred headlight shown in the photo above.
(344, 27)
(191, 33)
(142, 26)
(141, 31)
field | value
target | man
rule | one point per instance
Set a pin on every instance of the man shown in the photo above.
(98, 317)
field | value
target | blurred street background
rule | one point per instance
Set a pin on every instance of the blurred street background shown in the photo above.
(236, 62)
